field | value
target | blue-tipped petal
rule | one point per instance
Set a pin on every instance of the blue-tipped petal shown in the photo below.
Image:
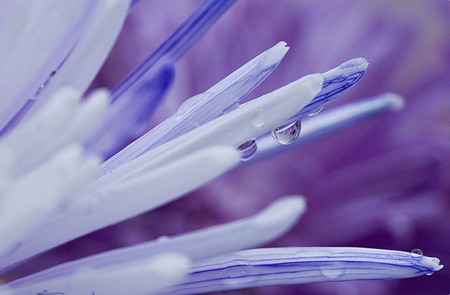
(319, 127)
(179, 42)
(336, 82)
(204, 107)
(128, 114)
(286, 266)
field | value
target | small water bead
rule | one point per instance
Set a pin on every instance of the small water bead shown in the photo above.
(315, 112)
(287, 134)
(332, 270)
(258, 119)
(190, 105)
(416, 253)
(247, 149)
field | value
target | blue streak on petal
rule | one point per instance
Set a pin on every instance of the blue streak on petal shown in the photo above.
(179, 42)
(332, 122)
(336, 82)
(128, 114)
(204, 107)
(285, 266)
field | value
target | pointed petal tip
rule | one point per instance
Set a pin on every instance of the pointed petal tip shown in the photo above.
(394, 100)
(287, 208)
(275, 54)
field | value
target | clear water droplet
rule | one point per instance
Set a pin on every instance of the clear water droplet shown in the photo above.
(416, 253)
(287, 134)
(190, 105)
(315, 112)
(247, 149)
(258, 119)
(332, 270)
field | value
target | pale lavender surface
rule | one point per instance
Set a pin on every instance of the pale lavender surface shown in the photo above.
(383, 184)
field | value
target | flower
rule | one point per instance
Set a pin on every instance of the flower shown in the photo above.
(137, 169)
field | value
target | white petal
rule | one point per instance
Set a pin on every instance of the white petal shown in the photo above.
(142, 277)
(102, 208)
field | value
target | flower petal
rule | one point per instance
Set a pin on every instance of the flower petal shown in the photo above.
(324, 125)
(286, 266)
(204, 107)
(144, 276)
(206, 243)
(88, 211)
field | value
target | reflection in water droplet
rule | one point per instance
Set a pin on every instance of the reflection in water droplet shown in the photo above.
(247, 149)
(416, 253)
(315, 112)
(287, 134)
(332, 270)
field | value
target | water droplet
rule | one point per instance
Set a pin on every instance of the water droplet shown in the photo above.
(287, 134)
(258, 119)
(429, 273)
(332, 270)
(247, 149)
(236, 269)
(416, 253)
(315, 112)
(190, 105)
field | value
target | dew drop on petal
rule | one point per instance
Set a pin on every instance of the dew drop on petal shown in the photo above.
(315, 112)
(247, 149)
(287, 134)
(258, 119)
(333, 270)
(190, 105)
(416, 253)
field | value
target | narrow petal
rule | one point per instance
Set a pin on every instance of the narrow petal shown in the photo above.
(141, 277)
(179, 42)
(204, 107)
(323, 125)
(234, 128)
(105, 21)
(286, 266)
(49, 31)
(241, 234)
(128, 114)
(336, 82)
(65, 114)
(28, 200)
(92, 210)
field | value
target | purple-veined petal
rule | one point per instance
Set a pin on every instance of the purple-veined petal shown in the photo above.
(141, 277)
(241, 234)
(286, 266)
(179, 42)
(323, 125)
(96, 209)
(336, 82)
(249, 121)
(128, 114)
(201, 109)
